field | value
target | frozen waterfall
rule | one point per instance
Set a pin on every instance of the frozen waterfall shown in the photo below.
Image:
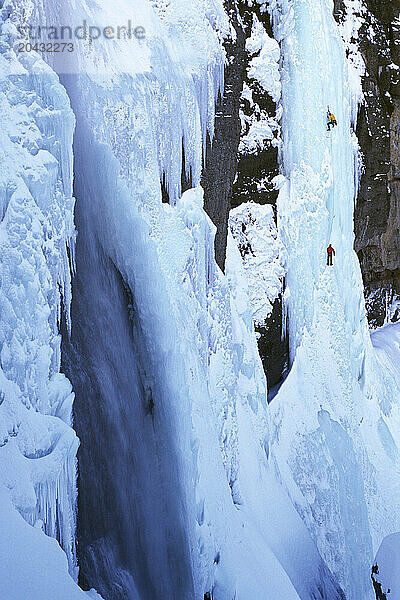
(329, 414)
(190, 486)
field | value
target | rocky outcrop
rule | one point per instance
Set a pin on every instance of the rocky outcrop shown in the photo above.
(256, 169)
(222, 153)
(377, 211)
(377, 585)
(273, 347)
(232, 178)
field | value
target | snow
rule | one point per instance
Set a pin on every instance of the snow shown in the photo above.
(259, 129)
(260, 132)
(254, 230)
(386, 343)
(32, 566)
(264, 66)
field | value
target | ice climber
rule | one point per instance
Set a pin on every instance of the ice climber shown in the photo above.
(331, 120)
(331, 253)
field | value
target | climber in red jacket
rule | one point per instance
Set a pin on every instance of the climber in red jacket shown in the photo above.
(331, 253)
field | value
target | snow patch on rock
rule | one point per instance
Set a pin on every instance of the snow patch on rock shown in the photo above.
(254, 230)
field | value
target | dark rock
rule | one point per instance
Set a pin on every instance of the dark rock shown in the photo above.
(376, 219)
(379, 593)
(230, 180)
(259, 167)
(339, 10)
(221, 158)
(274, 349)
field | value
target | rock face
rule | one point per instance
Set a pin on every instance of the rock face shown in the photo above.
(233, 177)
(377, 212)
(257, 168)
(273, 347)
(221, 159)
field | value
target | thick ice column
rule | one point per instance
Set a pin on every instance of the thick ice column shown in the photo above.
(327, 444)
(316, 206)
(38, 451)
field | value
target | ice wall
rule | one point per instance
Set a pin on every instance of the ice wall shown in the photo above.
(177, 495)
(33, 566)
(331, 412)
(171, 396)
(38, 446)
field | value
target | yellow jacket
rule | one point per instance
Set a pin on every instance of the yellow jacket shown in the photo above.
(332, 117)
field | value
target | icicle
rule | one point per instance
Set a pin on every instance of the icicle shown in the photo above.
(56, 507)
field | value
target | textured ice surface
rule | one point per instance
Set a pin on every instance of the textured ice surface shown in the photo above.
(32, 566)
(38, 445)
(386, 342)
(334, 438)
(254, 230)
(197, 390)
(388, 568)
(201, 376)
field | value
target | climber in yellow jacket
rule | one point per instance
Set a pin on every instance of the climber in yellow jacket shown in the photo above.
(331, 120)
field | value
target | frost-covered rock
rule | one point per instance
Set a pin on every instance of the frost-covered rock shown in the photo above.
(372, 39)
(264, 66)
(260, 129)
(254, 230)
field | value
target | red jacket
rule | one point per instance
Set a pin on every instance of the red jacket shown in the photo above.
(331, 250)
